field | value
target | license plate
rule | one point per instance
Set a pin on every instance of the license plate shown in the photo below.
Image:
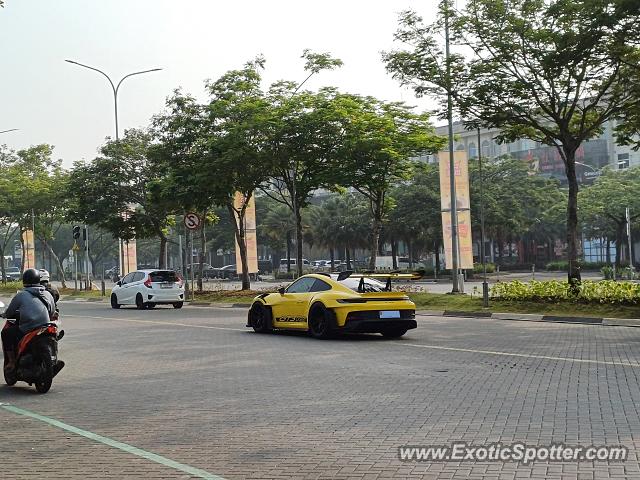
(390, 314)
(166, 285)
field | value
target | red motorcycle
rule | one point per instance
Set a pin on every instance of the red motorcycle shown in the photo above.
(37, 357)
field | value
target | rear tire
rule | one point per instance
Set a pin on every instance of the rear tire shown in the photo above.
(320, 322)
(114, 301)
(260, 318)
(396, 332)
(43, 384)
(140, 305)
(177, 305)
(10, 377)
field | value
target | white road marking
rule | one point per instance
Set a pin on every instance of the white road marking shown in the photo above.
(125, 447)
(524, 355)
(157, 322)
(399, 344)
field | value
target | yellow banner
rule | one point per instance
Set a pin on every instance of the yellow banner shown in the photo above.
(130, 257)
(251, 239)
(29, 249)
(463, 205)
(464, 239)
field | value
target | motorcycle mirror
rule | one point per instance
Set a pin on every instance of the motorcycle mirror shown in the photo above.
(281, 290)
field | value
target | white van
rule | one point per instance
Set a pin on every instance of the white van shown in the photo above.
(386, 263)
(306, 265)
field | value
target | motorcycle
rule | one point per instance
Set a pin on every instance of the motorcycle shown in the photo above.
(37, 356)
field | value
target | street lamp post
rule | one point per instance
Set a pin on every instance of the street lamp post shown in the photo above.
(115, 88)
(485, 285)
(456, 280)
(10, 130)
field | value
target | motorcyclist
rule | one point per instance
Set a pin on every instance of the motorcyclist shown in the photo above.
(45, 282)
(33, 307)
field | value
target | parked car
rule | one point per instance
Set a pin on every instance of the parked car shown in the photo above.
(228, 271)
(306, 265)
(265, 266)
(205, 268)
(13, 274)
(148, 288)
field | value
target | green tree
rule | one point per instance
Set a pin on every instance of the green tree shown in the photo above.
(215, 152)
(553, 72)
(301, 140)
(123, 193)
(603, 205)
(416, 219)
(379, 141)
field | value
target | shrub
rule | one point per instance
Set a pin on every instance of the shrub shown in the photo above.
(563, 266)
(284, 275)
(605, 291)
(477, 268)
(608, 272)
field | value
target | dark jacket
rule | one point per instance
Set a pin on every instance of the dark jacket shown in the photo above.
(33, 307)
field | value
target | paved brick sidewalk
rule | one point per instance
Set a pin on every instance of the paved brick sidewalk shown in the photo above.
(243, 405)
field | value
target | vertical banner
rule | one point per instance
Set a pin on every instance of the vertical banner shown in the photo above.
(463, 205)
(29, 249)
(251, 238)
(130, 257)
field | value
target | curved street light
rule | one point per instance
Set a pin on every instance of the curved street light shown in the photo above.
(114, 87)
(10, 130)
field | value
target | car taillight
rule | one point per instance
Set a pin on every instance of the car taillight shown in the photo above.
(147, 282)
(179, 281)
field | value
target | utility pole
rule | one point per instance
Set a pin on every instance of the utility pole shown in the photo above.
(628, 214)
(485, 285)
(456, 280)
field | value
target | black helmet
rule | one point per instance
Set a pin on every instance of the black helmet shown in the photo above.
(31, 276)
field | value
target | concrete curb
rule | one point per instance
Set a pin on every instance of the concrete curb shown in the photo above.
(613, 322)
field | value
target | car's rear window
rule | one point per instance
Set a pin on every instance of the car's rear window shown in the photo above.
(370, 285)
(163, 276)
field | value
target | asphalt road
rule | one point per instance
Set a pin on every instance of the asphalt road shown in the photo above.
(192, 393)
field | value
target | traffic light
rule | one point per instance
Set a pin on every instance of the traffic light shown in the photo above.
(76, 232)
(84, 234)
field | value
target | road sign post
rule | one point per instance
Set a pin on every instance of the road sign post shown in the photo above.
(192, 222)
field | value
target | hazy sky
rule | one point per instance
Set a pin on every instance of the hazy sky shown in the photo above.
(53, 102)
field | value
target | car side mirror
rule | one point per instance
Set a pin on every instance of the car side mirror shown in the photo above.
(119, 283)
(281, 290)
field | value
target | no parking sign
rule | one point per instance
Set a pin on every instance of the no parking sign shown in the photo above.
(192, 221)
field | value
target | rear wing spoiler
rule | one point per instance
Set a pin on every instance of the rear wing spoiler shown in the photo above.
(388, 276)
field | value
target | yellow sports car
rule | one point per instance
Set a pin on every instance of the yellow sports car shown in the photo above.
(324, 304)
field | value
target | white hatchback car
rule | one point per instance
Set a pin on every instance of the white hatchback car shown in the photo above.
(148, 288)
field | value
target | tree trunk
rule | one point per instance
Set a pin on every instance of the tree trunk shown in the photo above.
(332, 255)
(608, 254)
(572, 217)
(288, 252)
(619, 243)
(298, 241)
(376, 208)
(436, 269)
(2, 270)
(347, 257)
(58, 265)
(242, 245)
(163, 251)
(24, 255)
(394, 254)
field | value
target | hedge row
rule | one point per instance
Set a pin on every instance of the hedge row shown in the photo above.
(603, 292)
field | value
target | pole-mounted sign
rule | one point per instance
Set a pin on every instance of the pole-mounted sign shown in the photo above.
(192, 221)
